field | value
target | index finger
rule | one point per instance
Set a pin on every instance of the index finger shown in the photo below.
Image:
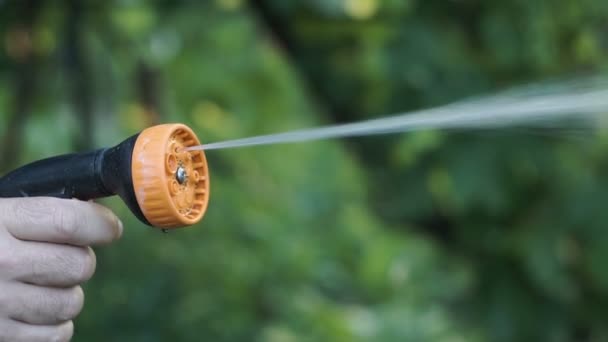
(56, 220)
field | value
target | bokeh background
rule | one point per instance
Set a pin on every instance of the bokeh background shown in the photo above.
(427, 236)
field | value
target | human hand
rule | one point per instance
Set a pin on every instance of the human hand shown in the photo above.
(45, 255)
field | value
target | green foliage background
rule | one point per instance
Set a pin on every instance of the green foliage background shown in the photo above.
(420, 237)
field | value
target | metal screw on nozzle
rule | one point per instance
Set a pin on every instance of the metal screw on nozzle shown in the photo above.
(181, 175)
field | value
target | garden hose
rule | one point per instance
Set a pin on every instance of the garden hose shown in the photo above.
(164, 185)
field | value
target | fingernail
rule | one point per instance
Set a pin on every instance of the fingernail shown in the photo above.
(120, 227)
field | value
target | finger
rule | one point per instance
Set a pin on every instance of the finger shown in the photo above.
(60, 221)
(46, 264)
(17, 331)
(42, 305)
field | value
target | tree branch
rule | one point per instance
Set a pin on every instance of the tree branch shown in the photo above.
(79, 74)
(20, 49)
(147, 82)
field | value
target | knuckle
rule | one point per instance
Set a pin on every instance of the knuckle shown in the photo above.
(15, 207)
(31, 210)
(8, 261)
(7, 300)
(19, 208)
(65, 222)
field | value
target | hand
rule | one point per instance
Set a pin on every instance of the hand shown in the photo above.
(44, 257)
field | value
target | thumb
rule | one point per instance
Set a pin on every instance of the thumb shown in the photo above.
(56, 220)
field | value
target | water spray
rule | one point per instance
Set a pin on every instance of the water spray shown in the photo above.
(162, 174)
(526, 106)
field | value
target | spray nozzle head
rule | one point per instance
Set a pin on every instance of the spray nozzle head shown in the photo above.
(162, 183)
(171, 185)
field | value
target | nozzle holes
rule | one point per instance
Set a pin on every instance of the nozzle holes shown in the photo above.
(195, 176)
(171, 163)
(173, 187)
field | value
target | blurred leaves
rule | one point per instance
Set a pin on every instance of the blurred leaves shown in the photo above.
(428, 236)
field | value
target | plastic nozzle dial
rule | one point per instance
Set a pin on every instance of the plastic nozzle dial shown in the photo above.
(171, 185)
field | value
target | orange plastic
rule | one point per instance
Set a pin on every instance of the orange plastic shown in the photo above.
(171, 185)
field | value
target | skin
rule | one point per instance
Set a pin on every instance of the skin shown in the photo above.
(45, 255)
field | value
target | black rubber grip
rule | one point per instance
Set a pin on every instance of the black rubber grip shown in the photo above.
(66, 176)
(84, 176)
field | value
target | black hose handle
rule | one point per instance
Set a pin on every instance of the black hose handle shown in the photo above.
(84, 176)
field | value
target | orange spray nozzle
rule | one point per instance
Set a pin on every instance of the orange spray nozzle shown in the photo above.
(171, 185)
